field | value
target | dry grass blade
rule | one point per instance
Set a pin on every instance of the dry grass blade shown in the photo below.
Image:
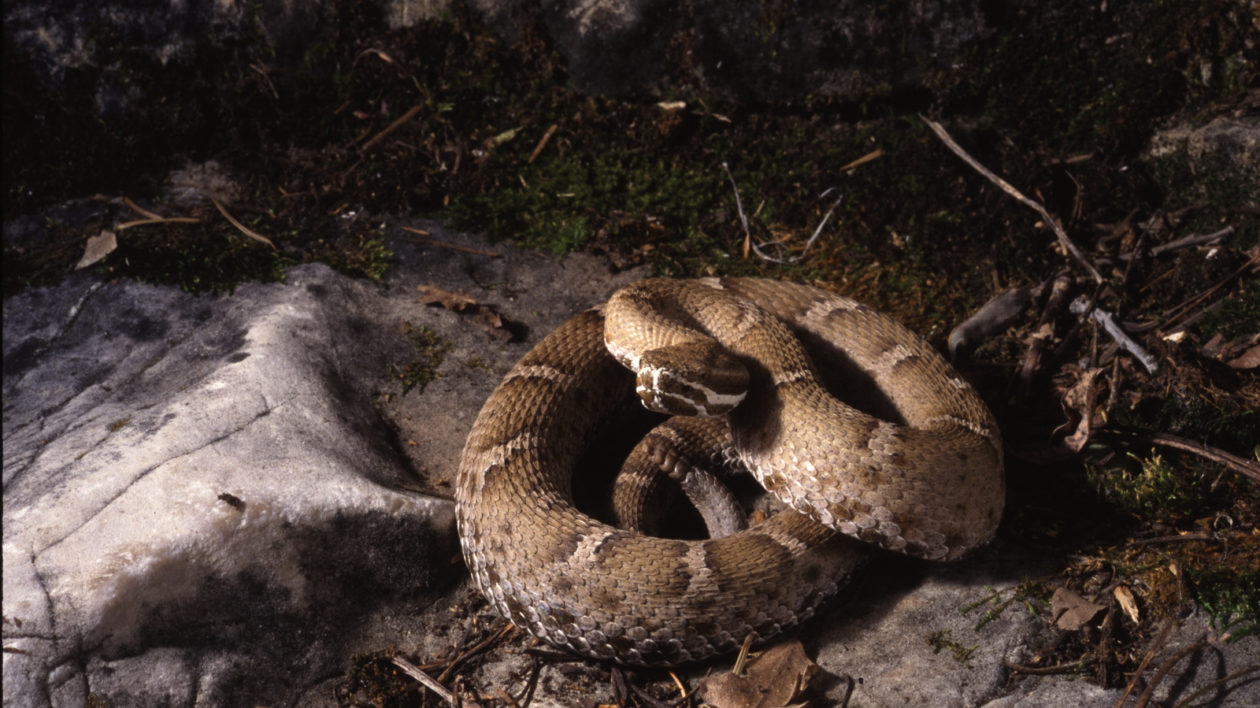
(1011, 190)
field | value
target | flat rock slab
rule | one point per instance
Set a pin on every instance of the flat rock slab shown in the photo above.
(221, 500)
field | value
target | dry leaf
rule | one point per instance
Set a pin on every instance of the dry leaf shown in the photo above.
(449, 299)
(490, 322)
(97, 247)
(1124, 596)
(1071, 611)
(1080, 401)
(774, 679)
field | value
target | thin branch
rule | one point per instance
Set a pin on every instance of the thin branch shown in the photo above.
(428, 681)
(159, 220)
(1081, 305)
(140, 210)
(743, 218)
(1238, 464)
(1219, 683)
(1011, 190)
(756, 248)
(542, 143)
(241, 227)
(411, 113)
(1183, 242)
(1146, 660)
(1044, 670)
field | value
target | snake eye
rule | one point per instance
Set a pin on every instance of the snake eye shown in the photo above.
(694, 378)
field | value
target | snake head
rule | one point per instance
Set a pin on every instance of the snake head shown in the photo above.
(697, 378)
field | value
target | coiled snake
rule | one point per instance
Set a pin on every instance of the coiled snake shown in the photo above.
(928, 482)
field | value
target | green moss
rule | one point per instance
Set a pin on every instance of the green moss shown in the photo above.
(1230, 592)
(1155, 489)
(940, 640)
(211, 256)
(364, 257)
(431, 351)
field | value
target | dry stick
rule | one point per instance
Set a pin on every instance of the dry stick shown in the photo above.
(415, 673)
(1183, 308)
(158, 220)
(241, 227)
(1080, 306)
(447, 244)
(1146, 660)
(743, 218)
(411, 113)
(140, 210)
(1164, 668)
(1238, 464)
(1011, 190)
(1224, 680)
(1044, 670)
(1191, 240)
(542, 143)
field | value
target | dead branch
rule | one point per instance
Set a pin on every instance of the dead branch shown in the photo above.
(241, 227)
(1011, 190)
(1237, 464)
(411, 113)
(1081, 305)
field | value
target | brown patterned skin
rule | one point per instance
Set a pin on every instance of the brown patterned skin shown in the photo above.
(929, 485)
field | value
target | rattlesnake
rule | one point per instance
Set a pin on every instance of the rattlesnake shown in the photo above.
(929, 484)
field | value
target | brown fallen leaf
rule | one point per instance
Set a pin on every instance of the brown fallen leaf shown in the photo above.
(97, 247)
(492, 323)
(1128, 603)
(774, 679)
(1079, 402)
(1071, 611)
(449, 299)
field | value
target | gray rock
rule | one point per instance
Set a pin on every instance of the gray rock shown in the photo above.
(206, 499)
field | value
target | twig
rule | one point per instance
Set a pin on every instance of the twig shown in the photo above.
(821, 224)
(1223, 681)
(447, 244)
(739, 207)
(1080, 306)
(542, 143)
(1238, 464)
(428, 681)
(1175, 539)
(1183, 308)
(140, 210)
(1165, 667)
(1191, 240)
(411, 113)
(1011, 190)
(1043, 670)
(756, 248)
(241, 227)
(158, 220)
(1146, 660)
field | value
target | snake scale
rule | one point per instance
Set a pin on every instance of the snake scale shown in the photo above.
(924, 478)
